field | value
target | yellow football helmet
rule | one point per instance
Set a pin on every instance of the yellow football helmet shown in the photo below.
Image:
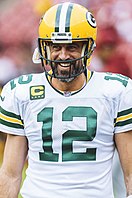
(66, 23)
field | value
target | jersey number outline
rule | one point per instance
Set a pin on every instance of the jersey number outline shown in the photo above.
(46, 117)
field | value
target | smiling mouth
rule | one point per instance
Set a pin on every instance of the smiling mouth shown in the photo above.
(64, 69)
(65, 64)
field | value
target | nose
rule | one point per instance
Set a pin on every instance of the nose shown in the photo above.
(64, 54)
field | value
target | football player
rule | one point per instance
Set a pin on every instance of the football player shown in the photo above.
(68, 119)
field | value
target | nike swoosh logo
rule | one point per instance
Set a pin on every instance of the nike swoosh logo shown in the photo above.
(2, 98)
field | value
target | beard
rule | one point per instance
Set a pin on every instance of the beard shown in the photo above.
(69, 72)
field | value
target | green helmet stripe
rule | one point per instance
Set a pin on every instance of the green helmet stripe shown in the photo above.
(68, 17)
(57, 20)
(63, 16)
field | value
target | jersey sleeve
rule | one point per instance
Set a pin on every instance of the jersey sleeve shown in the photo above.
(10, 119)
(123, 121)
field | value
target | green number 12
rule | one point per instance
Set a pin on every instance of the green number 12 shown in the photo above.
(46, 117)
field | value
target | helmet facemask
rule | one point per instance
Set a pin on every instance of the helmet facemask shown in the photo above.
(76, 66)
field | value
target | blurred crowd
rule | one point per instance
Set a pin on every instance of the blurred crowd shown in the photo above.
(19, 21)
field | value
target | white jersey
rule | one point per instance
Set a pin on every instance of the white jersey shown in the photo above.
(70, 135)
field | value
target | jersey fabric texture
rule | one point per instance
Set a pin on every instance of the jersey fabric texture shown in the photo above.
(70, 136)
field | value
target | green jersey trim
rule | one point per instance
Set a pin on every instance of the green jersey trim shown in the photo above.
(10, 119)
(124, 118)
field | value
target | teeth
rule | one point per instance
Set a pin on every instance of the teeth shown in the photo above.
(65, 64)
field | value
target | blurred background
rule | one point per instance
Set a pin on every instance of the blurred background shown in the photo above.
(19, 21)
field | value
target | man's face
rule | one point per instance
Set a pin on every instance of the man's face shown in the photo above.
(66, 52)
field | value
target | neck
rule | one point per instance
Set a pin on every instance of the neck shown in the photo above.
(74, 85)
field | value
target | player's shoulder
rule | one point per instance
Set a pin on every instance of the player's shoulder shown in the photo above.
(112, 84)
(20, 87)
(24, 81)
(113, 79)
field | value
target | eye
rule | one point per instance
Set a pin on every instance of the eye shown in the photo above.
(72, 47)
(55, 47)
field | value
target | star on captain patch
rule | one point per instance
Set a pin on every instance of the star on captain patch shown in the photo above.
(37, 92)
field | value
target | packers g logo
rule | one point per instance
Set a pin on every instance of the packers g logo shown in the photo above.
(91, 19)
(37, 92)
